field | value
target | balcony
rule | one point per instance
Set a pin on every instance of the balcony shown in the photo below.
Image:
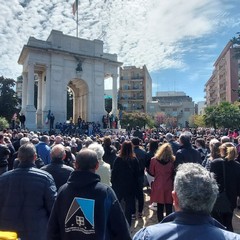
(123, 89)
(170, 104)
(137, 78)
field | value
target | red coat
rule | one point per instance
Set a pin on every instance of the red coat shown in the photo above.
(162, 185)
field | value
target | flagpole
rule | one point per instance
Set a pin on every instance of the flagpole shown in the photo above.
(77, 16)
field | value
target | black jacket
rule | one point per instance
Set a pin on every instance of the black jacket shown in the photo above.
(175, 146)
(187, 154)
(59, 171)
(26, 196)
(125, 176)
(142, 158)
(232, 175)
(110, 154)
(87, 209)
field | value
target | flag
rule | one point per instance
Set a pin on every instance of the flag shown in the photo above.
(46, 120)
(74, 7)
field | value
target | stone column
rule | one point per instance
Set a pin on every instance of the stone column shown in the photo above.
(30, 109)
(85, 107)
(77, 109)
(24, 92)
(74, 109)
(48, 89)
(81, 105)
(39, 102)
(114, 94)
(30, 86)
(46, 96)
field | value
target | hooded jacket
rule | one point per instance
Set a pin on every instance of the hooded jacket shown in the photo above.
(87, 209)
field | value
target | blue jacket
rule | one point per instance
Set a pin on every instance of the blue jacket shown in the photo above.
(183, 226)
(87, 209)
(27, 195)
(43, 151)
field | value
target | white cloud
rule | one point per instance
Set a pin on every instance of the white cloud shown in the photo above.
(139, 31)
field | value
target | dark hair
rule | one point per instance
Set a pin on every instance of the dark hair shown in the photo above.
(86, 160)
(117, 145)
(201, 142)
(1, 136)
(185, 139)
(26, 152)
(107, 141)
(153, 145)
(126, 150)
(135, 141)
(215, 150)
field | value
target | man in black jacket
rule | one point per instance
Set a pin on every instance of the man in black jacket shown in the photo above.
(186, 152)
(59, 171)
(142, 158)
(138, 133)
(86, 208)
(27, 195)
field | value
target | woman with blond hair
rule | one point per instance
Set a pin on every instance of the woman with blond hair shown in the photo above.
(227, 174)
(161, 167)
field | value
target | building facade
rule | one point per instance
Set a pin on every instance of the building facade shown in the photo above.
(63, 62)
(223, 85)
(174, 105)
(200, 107)
(135, 89)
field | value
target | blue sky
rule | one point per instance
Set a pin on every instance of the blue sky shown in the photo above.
(178, 40)
(199, 64)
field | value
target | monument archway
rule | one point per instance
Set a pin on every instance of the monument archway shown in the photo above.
(62, 61)
(80, 96)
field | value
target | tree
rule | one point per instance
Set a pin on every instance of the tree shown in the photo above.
(171, 121)
(225, 115)
(236, 44)
(160, 118)
(9, 101)
(136, 119)
(3, 123)
(210, 116)
(228, 115)
(197, 121)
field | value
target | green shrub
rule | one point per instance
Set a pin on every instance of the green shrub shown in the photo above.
(3, 123)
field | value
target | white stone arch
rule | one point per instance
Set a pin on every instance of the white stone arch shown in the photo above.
(80, 99)
(61, 60)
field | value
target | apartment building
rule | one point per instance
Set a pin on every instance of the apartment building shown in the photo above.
(174, 104)
(135, 89)
(223, 85)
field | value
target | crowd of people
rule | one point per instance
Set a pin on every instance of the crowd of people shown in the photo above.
(65, 186)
